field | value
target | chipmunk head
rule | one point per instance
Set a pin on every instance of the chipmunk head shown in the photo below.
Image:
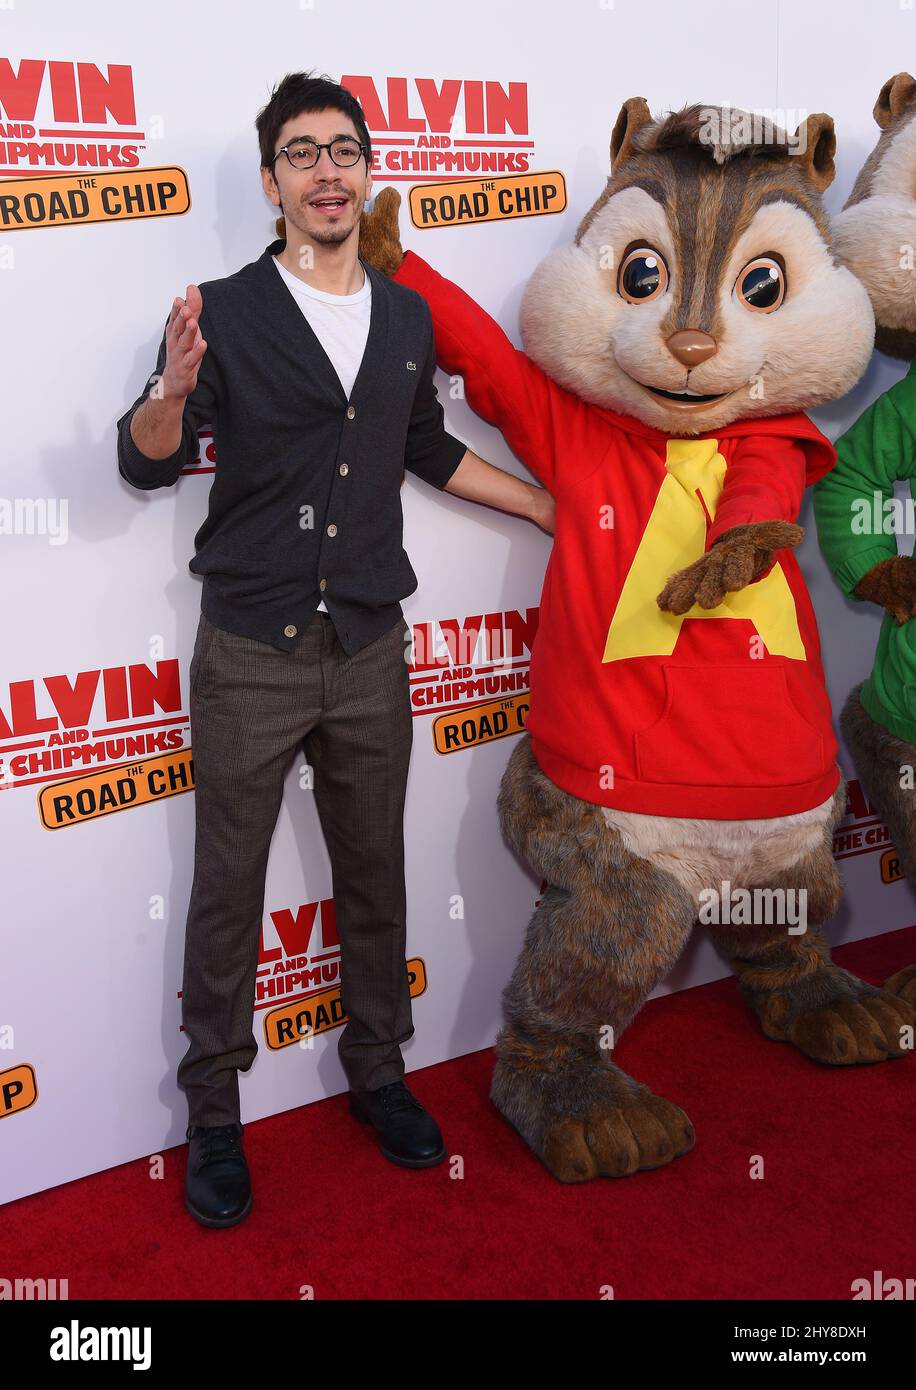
(701, 286)
(875, 234)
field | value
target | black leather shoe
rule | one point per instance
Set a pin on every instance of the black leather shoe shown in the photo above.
(407, 1133)
(217, 1181)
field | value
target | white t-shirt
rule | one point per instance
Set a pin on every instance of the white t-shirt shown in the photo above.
(340, 322)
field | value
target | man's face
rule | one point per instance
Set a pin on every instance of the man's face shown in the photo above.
(324, 203)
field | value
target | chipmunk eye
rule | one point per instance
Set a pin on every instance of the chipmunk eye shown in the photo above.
(643, 275)
(761, 285)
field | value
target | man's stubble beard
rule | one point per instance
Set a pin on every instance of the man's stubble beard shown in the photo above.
(333, 236)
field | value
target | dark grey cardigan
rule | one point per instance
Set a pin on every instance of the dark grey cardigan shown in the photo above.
(305, 502)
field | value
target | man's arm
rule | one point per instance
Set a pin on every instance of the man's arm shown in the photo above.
(479, 481)
(155, 426)
(442, 460)
(157, 436)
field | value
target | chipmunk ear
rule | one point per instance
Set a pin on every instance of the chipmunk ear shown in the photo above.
(634, 114)
(894, 98)
(816, 137)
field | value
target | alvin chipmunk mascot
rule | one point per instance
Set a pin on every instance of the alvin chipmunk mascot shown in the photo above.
(875, 235)
(679, 743)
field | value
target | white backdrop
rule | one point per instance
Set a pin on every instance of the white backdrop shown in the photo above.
(92, 933)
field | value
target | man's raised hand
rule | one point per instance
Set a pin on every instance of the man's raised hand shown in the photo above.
(184, 347)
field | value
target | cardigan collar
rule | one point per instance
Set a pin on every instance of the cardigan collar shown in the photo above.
(291, 321)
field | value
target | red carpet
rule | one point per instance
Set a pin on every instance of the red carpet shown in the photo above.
(835, 1204)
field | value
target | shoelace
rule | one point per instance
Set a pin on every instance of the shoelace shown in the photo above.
(395, 1096)
(222, 1141)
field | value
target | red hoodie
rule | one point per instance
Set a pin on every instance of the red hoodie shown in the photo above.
(717, 713)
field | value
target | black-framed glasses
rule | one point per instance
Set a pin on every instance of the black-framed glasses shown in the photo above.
(305, 154)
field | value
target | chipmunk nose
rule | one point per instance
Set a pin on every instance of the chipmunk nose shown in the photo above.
(691, 347)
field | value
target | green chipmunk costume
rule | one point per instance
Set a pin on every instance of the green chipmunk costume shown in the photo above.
(854, 504)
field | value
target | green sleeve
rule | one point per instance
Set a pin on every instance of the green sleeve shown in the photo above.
(877, 450)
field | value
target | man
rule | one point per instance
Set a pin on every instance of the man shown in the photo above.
(317, 373)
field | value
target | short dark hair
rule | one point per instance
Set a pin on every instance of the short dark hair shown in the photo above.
(302, 92)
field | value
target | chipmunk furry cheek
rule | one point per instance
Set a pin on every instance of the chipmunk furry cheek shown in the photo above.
(875, 233)
(575, 325)
(800, 358)
(876, 239)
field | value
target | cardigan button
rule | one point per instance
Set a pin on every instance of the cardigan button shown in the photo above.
(332, 529)
(351, 411)
(343, 470)
(290, 630)
(322, 584)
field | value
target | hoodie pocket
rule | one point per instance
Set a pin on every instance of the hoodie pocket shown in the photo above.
(729, 726)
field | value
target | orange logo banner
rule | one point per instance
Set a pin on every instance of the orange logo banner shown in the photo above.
(118, 195)
(486, 200)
